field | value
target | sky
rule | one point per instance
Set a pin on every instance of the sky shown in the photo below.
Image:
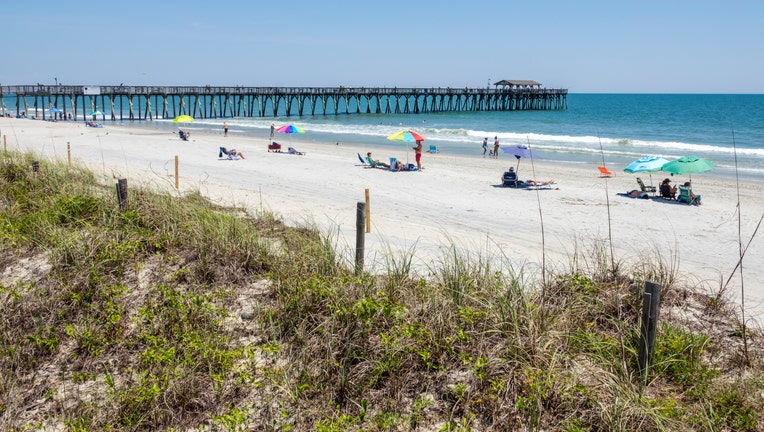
(585, 46)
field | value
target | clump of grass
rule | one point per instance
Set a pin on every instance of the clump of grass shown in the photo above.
(179, 314)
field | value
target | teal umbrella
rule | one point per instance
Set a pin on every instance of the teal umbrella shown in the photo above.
(688, 165)
(648, 164)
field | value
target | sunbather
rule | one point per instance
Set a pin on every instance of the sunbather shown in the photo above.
(184, 135)
(375, 163)
(230, 153)
(539, 182)
(292, 150)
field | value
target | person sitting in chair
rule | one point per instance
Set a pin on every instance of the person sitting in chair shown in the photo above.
(509, 178)
(375, 163)
(230, 153)
(184, 135)
(667, 191)
(687, 195)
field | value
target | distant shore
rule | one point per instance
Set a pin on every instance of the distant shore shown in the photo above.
(456, 199)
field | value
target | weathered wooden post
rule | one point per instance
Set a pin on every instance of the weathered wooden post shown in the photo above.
(368, 213)
(69, 153)
(360, 236)
(122, 194)
(5, 146)
(177, 184)
(650, 312)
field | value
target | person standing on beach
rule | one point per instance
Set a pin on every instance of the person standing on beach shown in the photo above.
(485, 146)
(273, 130)
(225, 129)
(496, 147)
(418, 153)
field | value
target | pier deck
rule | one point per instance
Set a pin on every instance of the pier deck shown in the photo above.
(150, 102)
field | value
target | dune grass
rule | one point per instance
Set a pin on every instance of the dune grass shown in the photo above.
(178, 314)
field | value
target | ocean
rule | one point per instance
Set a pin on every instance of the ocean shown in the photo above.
(611, 128)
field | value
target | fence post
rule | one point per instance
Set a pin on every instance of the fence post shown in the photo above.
(360, 236)
(368, 213)
(69, 153)
(122, 194)
(650, 313)
(177, 185)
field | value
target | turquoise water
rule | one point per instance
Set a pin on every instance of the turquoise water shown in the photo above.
(615, 127)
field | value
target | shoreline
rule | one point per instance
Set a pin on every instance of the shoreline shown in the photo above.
(455, 200)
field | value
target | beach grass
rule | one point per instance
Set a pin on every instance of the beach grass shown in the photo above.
(180, 314)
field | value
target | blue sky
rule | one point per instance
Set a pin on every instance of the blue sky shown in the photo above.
(585, 46)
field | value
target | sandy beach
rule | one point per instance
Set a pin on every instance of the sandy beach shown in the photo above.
(455, 200)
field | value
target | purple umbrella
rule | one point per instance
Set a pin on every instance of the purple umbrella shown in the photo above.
(519, 152)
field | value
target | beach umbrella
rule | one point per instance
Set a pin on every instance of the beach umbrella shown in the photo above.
(55, 110)
(688, 165)
(406, 135)
(648, 164)
(519, 152)
(290, 129)
(183, 119)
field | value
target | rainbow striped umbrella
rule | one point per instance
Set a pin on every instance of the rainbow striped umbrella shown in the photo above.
(406, 136)
(290, 129)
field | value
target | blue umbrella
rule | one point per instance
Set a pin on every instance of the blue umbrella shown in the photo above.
(648, 164)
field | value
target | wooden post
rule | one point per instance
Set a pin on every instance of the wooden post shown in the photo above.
(69, 153)
(650, 313)
(177, 185)
(5, 147)
(122, 194)
(368, 213)
(360, 236)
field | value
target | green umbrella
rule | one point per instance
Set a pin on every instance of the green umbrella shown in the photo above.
(688, 165)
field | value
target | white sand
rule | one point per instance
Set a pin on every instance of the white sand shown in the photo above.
(455, 199)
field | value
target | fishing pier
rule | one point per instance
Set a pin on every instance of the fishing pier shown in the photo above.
(155, 102)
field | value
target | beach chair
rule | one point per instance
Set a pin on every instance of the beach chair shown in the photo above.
(686, 195)
(509, 179)
(183, 135)
(433, 149)
(650, 189)
(604, 172)
(274, 146)
(360, 158)
(225, 154)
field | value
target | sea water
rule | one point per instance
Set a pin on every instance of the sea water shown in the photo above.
(596, 129)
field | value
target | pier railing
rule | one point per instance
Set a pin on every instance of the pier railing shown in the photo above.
(119, 102)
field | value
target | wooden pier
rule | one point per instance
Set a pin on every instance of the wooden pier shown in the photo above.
(152, 102)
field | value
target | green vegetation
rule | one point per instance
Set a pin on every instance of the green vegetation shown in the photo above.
(177, 314)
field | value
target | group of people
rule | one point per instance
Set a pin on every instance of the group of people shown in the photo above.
(492, 153)
(686, 194)
(399, 166)
(395, 164)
